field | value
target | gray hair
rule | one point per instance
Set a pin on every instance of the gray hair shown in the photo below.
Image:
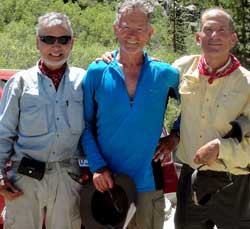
(145, 5)
(218, 12)
(52, 19)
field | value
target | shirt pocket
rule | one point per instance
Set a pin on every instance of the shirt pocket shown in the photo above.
(75, 113)
(33, 115)
(189, 85)
(189, 91)
(230, 105)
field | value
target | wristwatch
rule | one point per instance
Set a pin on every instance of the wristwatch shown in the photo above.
(176, 132)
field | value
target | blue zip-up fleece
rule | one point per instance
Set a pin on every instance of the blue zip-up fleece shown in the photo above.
(120, 135)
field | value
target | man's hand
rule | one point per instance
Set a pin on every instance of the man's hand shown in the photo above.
(8, 191)
(165, 146)
(103, 181)
(107, 57)
(208, 153)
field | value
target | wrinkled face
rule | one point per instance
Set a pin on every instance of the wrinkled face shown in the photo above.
(215, 38)
(133, 31)
(56, 54)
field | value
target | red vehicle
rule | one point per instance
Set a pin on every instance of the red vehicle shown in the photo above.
(5, 74)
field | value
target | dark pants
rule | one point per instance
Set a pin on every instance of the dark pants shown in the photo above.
(227, 209)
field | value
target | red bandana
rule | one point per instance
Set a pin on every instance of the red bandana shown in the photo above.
(233, 64)
(55, 75)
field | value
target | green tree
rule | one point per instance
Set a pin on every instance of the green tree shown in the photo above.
(92, 23)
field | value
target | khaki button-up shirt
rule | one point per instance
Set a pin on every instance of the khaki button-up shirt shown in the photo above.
(207, 110)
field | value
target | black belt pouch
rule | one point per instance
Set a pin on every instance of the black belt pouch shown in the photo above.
(32, 168)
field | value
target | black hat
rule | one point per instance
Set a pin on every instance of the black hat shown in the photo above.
(111, 209)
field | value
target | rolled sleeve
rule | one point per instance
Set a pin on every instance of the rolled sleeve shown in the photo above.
(244, 124)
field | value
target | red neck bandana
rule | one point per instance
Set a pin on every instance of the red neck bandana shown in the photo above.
(54, 75)
(227, 69)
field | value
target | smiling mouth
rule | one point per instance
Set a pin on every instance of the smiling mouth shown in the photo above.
(55, 54)
(214, 44)
(132, 42)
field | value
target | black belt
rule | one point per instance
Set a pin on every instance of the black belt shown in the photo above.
(52, 164)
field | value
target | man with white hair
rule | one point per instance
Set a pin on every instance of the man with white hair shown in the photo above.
(41, 121)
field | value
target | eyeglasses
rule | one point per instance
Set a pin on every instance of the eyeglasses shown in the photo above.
(194, 187)
(50, 40)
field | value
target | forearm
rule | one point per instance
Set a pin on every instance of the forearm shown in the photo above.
(91, 149)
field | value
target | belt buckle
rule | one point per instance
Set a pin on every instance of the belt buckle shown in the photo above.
(49, 166)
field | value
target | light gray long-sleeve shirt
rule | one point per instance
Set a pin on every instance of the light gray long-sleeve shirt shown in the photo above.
(39, 122)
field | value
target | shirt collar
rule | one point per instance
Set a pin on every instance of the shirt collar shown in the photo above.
(210, 70)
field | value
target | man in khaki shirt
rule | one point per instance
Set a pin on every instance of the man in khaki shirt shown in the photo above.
(215, 91)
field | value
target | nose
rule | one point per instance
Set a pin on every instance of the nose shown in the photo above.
(56, 43)
(132, 32)
(215, 33)
(56, 47)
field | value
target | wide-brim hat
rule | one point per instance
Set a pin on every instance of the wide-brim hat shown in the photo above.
(110, 209)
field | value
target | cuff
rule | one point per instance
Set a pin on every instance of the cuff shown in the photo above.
(244, 124)
(102, 169)
(176, 132)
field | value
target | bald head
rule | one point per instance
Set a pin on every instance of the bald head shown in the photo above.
(214, 13)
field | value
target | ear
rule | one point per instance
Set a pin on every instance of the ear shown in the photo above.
(151, 32)
(37, 42)
(115, 28)
(198, 39)
(234, 39)
(72, 42)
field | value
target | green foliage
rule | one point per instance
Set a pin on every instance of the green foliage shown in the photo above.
(172, 113)
(92, 22)
(19, 52)
(96, 25)
(160, 40)
(83, 56)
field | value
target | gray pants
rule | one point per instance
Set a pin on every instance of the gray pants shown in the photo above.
(227, 209)
(150, 213)
(56, 193)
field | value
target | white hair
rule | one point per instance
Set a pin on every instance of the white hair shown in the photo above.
(52, 19)
(144, 5)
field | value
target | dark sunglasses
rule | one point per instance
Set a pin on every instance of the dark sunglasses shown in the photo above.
(50, 40)
(204, 200)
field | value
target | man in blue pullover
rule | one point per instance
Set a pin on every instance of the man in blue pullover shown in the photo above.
(125, 103)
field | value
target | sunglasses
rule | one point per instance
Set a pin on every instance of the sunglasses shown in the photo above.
(205, 199)
(50, 40)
